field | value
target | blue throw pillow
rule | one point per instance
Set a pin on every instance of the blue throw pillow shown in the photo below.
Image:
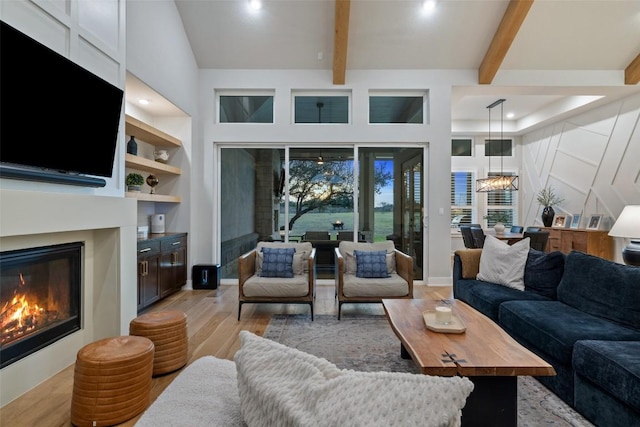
(371, 264)
(543, 271)
(277, 262)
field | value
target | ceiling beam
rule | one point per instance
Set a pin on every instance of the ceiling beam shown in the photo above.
(509, 26)
(632, 72)
(340, 41)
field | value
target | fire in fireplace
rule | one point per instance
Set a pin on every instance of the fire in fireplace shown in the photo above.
(39, 298)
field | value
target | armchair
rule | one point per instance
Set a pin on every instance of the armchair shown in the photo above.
(350, 288)
(259, 283)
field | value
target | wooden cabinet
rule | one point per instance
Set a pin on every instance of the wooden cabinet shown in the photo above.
(594, 242)
(148, 273)
(162, 267)
(156, 138)
(173, 264)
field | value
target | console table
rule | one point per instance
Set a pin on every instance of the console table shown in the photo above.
(593, 242)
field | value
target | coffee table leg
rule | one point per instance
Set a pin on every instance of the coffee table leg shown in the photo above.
(493, 402)
(403, 352)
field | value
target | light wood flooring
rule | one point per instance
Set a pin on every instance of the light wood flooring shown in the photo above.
(213, 327)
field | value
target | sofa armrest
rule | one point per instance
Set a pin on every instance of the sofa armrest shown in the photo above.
(246, 267)
(404, 267)
(312, 271)
(339, 271)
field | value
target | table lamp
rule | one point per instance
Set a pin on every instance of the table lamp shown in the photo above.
(628, 225)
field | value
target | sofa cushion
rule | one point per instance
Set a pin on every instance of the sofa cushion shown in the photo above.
(553, 327)
(391, 286)
(613, 365)
(543, 272)
(277, 262)
(346, 250)
(502, 263)
(311, 391)
(302, 248)
(486, 297)
(371, 264)
(602, 288)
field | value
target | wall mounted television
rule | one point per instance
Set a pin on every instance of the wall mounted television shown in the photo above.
(58, 121)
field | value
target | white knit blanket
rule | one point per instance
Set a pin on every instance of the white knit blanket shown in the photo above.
(283, 386)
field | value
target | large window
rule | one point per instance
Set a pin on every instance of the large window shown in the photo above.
(462, 198)
(501, 205)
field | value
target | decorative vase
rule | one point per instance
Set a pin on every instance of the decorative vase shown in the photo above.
(132, 146)
(161, 156)
(547, 216)
(499, 227)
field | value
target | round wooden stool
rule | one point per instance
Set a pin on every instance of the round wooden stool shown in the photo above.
(168, 331)
(111, 381)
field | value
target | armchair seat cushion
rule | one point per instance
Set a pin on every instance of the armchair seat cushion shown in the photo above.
(392, 286)
(276, 287)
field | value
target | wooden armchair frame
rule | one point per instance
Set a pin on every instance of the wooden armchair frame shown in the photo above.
(404, 268)
(247, 269)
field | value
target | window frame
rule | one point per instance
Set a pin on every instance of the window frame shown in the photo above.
(424, 94)
(474, 199)
(246, 93)
(307, 93)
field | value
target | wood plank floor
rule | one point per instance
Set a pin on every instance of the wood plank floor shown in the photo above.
(213, 327)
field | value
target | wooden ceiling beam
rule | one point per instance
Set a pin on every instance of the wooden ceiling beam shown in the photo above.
(505, 34)
(340, 41)
(632, 72)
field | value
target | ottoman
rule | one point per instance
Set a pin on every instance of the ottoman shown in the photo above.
(168, 331)
(111, 381)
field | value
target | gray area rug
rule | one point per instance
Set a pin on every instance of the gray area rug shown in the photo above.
(367, 343)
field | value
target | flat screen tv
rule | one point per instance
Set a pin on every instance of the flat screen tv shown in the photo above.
(54, 115)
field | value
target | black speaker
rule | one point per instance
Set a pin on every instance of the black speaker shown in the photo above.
(205, 276)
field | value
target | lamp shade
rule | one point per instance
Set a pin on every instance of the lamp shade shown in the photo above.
(628, 223)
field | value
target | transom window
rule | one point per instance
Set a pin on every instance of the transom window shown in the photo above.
(246, 108)
(321, 109)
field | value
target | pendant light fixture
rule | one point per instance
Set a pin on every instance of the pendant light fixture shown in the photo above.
(497, 182)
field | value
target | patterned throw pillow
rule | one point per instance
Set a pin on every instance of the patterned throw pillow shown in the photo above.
(371, 264)
(277, 262)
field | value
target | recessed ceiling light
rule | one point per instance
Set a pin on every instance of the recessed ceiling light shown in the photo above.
(428, 5)
(510, 115)
(143, 101)
(255, 4)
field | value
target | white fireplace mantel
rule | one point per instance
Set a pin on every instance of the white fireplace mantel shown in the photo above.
(107, 226)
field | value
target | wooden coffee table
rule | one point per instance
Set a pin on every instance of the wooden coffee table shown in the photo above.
(484, 353)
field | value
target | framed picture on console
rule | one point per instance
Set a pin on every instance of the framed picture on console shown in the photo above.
(561, 220)
(575, 220)
(594, 222)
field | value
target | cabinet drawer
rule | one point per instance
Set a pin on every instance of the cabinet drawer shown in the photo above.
(172, 243)
(579, 241)
(148, 247)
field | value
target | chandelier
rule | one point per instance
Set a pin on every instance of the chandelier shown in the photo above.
(497, 182)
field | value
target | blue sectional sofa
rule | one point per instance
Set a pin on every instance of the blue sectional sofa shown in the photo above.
(581, 314)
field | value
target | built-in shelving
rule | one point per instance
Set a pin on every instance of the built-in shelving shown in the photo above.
(150, 135)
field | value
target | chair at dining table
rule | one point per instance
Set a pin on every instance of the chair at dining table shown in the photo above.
(538, 239)
(467, 237)
(478, 236)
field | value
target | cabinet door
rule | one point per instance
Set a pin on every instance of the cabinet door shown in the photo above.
(148, 280)
(174, 266)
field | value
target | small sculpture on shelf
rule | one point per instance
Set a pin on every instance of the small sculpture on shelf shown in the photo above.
(161, 156)
(152, 181)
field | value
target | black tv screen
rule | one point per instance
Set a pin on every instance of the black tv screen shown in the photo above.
(54, 114)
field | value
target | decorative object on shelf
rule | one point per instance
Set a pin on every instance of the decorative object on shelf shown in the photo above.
(134, 181)
(152, 181)
(575, 220)
(161, 156)
(561, 221)
(594, 222)
(548, 199)
(497, 182)
(628, 225)
(132, 146)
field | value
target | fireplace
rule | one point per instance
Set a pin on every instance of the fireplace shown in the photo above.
(39, 298)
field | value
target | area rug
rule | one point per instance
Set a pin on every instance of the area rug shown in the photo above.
(367, 343)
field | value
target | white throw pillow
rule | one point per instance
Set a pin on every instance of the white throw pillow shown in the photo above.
(307, 390)
(502, 263)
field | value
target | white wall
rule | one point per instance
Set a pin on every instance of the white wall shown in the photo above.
(590, 159)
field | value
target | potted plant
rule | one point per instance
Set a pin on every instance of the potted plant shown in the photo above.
(134, 181)
(547, 198)
(499, 218)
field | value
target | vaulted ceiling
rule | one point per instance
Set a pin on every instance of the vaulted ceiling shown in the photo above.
(546, 57)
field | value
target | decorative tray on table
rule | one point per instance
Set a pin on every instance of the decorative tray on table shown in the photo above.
(456, 326)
